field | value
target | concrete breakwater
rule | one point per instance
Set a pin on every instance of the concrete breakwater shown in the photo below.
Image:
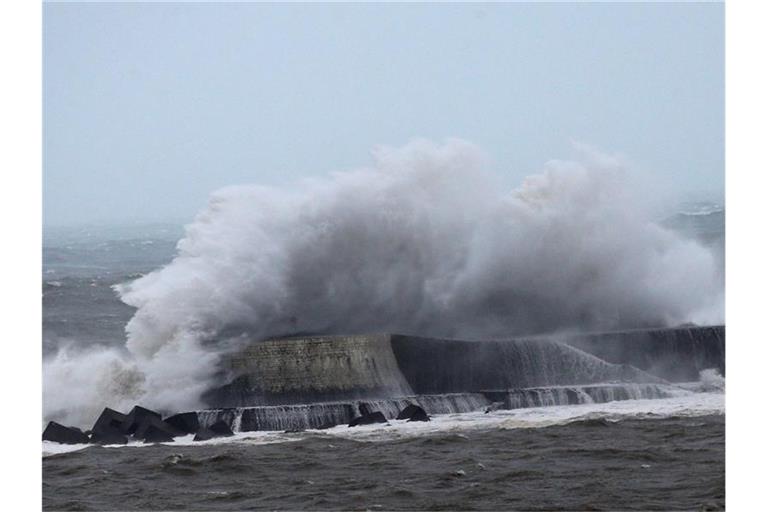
(311, 369)
(324, 369)
(322, 381)
(677, 355)
(343, 368)
(327, 414)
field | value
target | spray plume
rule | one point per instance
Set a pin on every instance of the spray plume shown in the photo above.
(422, 242)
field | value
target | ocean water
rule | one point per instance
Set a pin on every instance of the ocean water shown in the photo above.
(665, 454)
(635, 455)
(80, 267)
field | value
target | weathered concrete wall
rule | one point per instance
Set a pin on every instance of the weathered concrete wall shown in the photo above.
(453, 366)
(311, 369)
(674, 354)
(337, 368)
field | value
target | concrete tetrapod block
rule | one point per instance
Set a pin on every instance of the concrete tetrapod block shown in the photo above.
(58, 433)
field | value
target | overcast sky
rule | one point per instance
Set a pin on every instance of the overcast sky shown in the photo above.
(148, 108)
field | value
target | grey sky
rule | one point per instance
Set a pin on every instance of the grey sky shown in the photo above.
(150, 107)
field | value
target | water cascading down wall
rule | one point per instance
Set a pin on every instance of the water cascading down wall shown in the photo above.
(320, 369)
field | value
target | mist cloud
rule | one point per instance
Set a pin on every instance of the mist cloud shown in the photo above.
(422, 242)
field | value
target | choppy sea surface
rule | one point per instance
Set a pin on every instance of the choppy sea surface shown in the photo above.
(80, 267)
(599, 460)
(666, 454)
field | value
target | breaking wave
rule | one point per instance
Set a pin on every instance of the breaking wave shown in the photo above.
(421, 242)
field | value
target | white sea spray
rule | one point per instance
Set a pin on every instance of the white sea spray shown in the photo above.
(424, 241)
